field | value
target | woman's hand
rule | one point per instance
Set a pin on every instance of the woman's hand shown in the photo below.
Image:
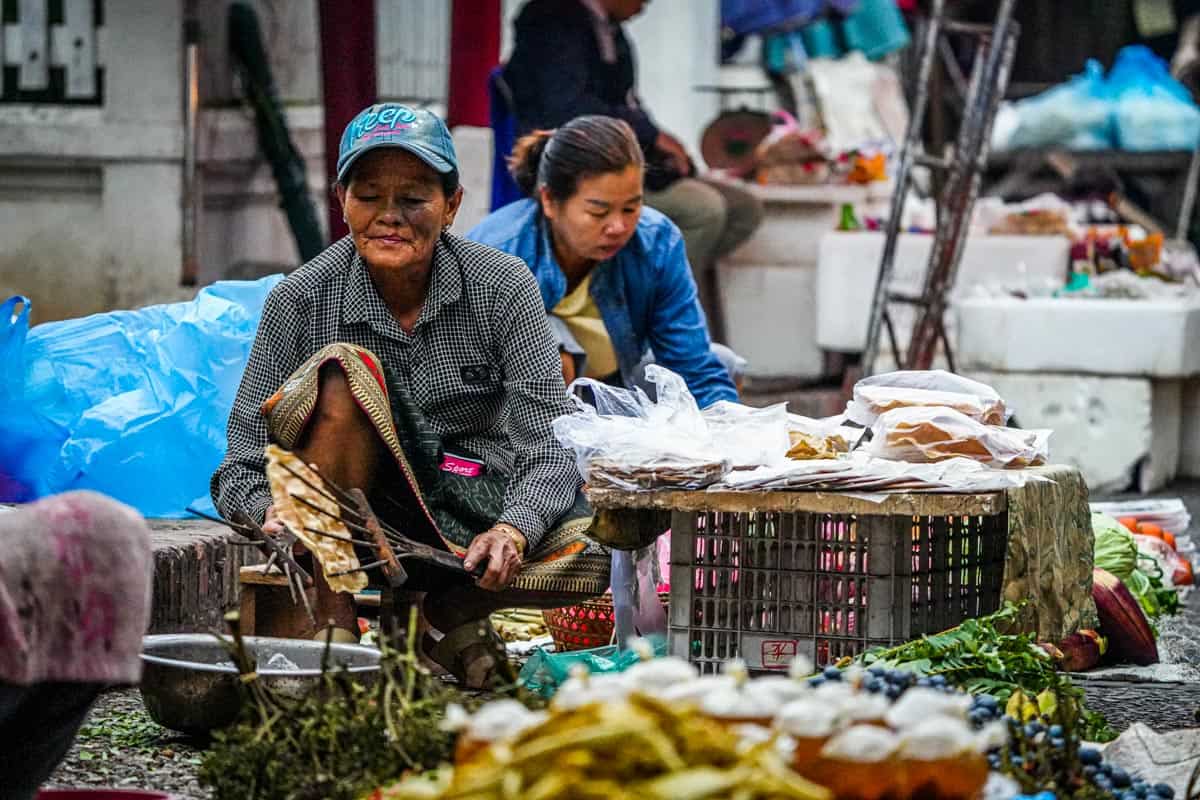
(675, 152)
(503, 558)
(568, 367)
(272, 525)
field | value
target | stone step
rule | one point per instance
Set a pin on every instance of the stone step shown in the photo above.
(195, 574)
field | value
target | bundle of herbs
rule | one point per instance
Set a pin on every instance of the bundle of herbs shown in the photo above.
(339, 740)
(979, 657)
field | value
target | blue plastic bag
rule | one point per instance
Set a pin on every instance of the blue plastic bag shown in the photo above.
(1075, 115)
(28, 441)
(759, 16)
(544, 672)
(140, 398)
(1153, 111)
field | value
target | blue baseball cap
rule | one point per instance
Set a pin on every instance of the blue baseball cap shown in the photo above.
(416, 130)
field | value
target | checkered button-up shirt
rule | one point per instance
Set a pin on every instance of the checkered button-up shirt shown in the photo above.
(480, 363)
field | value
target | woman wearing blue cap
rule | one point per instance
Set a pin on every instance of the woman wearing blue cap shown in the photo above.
(419, 367)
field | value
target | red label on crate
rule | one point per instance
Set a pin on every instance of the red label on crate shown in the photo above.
(778, 653)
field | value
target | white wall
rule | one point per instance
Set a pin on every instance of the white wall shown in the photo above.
(90, 198)
(89, 210)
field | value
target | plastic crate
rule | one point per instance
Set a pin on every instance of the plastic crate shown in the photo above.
(768, 585)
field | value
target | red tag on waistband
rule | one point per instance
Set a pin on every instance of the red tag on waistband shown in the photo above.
(459, 465)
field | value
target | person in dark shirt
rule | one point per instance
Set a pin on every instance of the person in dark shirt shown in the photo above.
(571, 58)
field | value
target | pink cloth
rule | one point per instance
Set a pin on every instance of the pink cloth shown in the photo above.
(75, 583)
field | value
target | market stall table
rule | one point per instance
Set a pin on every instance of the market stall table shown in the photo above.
(768, 575)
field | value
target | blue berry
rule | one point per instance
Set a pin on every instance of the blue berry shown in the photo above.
(1058, 743)
(1164, 790)
(1032, 729)
(1090, 755)
(893, 692)
(899, 677)
(1120, 778)
(987, 701)
(1102, 782)
(818, 680)
(878, 671)
(832, 674)
(874, 685)
(1140, 792)
(1090, 771)
(975, 717)
(924, 683)
(938, 681)
(1056, 731)
(1138, 783)
(1016, 761)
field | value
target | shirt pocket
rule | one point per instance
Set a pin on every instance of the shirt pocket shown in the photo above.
(461, 376)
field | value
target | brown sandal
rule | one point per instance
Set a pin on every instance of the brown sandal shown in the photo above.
(474, 654)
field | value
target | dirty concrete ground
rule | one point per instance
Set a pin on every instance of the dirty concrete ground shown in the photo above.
(120, 746)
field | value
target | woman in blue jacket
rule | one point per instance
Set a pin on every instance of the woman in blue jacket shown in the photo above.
(613, 274)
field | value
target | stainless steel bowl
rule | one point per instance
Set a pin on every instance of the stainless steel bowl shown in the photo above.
(185, 687)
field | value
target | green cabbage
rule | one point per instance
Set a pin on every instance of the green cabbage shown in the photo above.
(1116, 552)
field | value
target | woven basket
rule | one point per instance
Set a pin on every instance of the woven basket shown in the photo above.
(587, 625)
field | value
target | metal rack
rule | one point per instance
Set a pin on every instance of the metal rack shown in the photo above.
(959, 172)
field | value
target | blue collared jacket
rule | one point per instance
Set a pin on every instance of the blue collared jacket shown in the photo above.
(645, 293)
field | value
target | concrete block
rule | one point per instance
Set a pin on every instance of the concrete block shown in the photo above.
(768, 314)
(848, 267)
(1189, 435)
(789, 234)
(1115, 430)
(1155, 338)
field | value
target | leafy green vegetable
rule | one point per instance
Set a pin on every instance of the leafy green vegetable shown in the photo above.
(1117, 552)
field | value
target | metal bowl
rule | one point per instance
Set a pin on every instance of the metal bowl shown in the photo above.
(185, 687)
(100, 794)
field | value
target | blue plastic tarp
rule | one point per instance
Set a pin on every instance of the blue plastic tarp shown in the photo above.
(129, 403)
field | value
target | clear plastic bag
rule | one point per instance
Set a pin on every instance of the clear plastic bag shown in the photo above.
(1043, 215)
(818, 439)
(920, 435)
(879, 394)
(749, 437)
(624, 440)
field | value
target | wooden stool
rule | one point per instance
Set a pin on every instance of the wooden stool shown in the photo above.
(267, 608)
